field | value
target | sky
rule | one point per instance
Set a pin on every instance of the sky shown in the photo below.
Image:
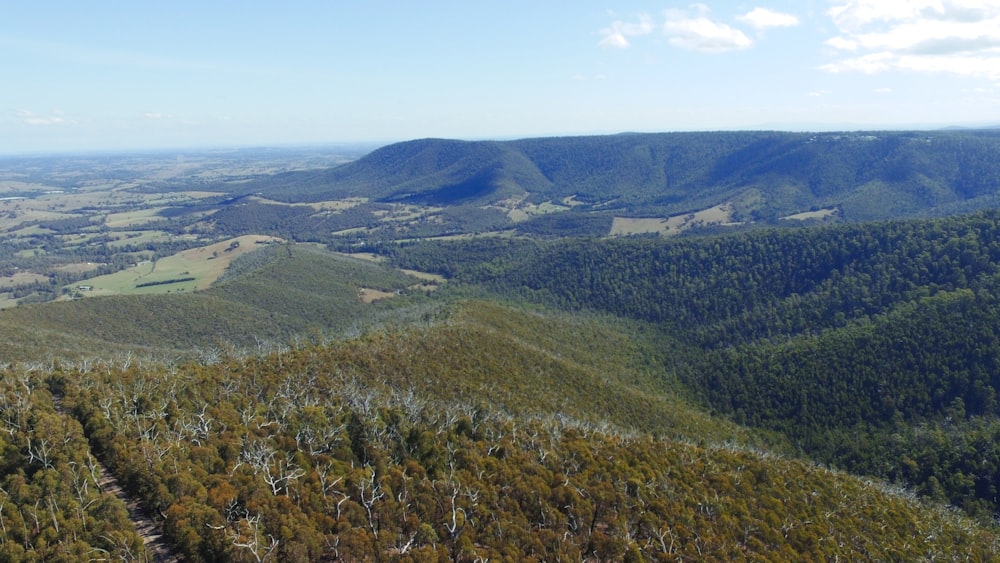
(137, 75)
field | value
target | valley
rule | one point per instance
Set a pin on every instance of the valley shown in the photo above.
(643, 347)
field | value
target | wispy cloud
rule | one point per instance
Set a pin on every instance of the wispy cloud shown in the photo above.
(698, 32)
(763, 18)
(617, 34)
(91, 55)
(819, 93)
(959, 37)
(696, 29)
(55, 117)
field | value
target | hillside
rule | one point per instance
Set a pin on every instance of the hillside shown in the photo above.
(270, 297)
(750, 177)
(458, 441)
(862, 344)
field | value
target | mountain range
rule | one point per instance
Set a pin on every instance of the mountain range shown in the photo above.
(866, 175)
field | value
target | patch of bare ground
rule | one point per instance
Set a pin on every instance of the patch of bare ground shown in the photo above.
(818, 214)
(369, 295)
(436, 278)
(78, 267)
(366, 256)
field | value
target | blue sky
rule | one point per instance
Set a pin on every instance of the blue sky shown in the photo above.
(137, 75)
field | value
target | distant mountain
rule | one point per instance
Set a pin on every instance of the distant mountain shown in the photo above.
(763, 175)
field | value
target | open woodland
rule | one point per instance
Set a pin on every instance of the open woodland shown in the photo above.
(712, 346)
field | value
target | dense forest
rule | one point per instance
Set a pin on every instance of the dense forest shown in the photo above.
(418, 444)
(857, 342)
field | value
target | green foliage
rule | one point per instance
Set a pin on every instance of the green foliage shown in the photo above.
(718, 291)
(820, 333)
(367, 450)
(51, 504)
(603, 421)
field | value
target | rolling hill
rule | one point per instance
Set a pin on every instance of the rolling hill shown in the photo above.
(758, 177)
(271, 296)
(857, 342)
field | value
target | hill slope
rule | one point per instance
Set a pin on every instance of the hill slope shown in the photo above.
(272, 296)
(857, 342)
(764, 175)
(451, 441)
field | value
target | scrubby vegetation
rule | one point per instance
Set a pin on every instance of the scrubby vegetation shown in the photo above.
(744, 391)
(395, 447)
(51, 504)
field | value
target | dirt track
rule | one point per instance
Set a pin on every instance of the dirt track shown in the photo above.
(157, 549)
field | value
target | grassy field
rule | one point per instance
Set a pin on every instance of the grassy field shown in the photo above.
(21, 278)
(133, 218)
(77, 267)
(123, 238)
(434, 278)
(718, 215)
(15, 213)
(518, 210)
(197, 267)
(332, 205)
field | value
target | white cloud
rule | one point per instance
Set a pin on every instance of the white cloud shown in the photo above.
(883, 90)
(56, 117)
(617, 34)
(694, 30)
(762, 18)
(842, 43)
(819, 93)
(959, 37)
(699, 33)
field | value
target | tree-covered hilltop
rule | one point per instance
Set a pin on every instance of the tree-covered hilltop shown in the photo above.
(723, 290)
(469, 439)
(868, 175)
(847, 339)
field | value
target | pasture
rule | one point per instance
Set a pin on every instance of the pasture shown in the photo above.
(190, 270)
(717, 215)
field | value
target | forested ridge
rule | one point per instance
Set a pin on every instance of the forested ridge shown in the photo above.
(599, 185)
(870, 175)
(483, 431)
(722, 290)
(402, 446)
(858, 342)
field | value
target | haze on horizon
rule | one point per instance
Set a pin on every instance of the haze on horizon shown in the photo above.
(126, 76)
